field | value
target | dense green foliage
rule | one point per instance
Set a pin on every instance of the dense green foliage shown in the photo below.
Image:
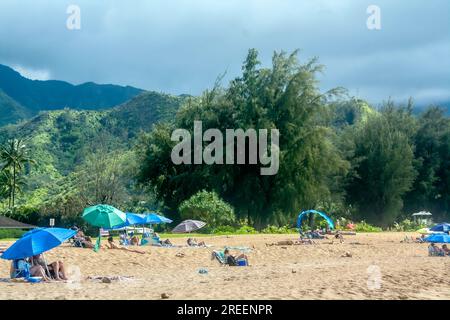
(384, 171)
(337, 154)
(82, 158)
(207, 206)
(11, 233)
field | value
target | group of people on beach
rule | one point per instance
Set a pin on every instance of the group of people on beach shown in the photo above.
(130, 240)
(435, 251)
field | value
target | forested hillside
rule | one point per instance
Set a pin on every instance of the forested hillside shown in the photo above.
(66, 144)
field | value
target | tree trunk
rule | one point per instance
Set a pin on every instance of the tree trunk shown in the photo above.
(14, 186)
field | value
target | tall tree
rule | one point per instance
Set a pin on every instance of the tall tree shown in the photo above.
(14, 157)
(430, 154)
(284, 97)
(384, 169)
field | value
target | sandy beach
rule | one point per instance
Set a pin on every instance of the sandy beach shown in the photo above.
(380, 267)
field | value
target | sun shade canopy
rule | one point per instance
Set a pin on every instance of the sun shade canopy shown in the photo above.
(303, 214)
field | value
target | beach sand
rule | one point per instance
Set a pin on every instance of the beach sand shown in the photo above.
(380, 267)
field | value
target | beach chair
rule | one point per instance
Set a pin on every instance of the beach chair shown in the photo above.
(21, 269)
(152, 241)
(219, 255)
(77, 242)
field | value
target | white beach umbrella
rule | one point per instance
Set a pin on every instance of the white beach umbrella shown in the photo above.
(188, 226)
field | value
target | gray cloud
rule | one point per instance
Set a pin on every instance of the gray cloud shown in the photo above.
(181, 46)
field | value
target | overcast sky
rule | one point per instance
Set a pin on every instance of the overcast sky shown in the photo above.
(181, 46)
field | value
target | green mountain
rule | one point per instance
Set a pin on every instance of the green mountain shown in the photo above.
(58, 139)
(36, 95)
(10, 110)
(61, 142)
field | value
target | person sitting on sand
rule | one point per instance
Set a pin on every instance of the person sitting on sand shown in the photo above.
(112, 245)
(123, 239)
(420, 239)
(233, 260)
(446, 250)
(134, 241)
(22, 268)
(339, 236)
(55, 269)
(192, 242)
(434, 251)
(83, 240)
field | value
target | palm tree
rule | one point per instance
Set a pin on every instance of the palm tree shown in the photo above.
(13, 156)
(4, 184)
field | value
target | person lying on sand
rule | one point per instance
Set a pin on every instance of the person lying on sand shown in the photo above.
(315, 235)
(233, 260)
(111, 245)
(55, 269)
(192, 242)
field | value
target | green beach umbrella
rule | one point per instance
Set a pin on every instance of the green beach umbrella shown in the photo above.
(103, 216)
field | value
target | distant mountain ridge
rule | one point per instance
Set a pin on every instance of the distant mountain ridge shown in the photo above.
(57, 138)
(26, 97)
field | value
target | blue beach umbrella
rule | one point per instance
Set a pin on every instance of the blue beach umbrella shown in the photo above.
(154, 218)
(37, 241)
(135, 218)
(442, 227)
(438, 238)
(131, 219)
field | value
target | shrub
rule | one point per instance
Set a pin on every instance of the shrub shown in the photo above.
(11, 233)
(407, 225)
(223, 230)
(365, 227)
(245, 229)
(278, 230)
(208, 207)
